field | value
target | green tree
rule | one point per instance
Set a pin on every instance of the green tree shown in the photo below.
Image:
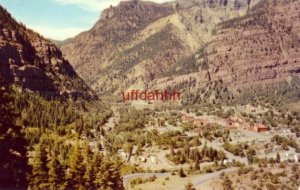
(250, 155)
(108, 176)
(181, 173)
(56, 172)
(75, 176)
(227, 183)
(13, 160)
(197, 163)
(189, 186)
(128, 149)
(92, 162)
(39, 177)
(278, 158)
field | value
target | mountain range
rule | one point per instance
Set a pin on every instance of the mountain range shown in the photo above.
(240, 49)
(227, 51)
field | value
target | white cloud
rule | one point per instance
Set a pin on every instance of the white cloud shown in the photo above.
(96, 5)
(57, 33)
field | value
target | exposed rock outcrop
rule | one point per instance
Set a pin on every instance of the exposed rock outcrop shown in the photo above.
(34, 63)
(137, 42)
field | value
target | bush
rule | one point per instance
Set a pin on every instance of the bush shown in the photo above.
(244, 170)
(136, 181)
(253, 176)
(181, 173)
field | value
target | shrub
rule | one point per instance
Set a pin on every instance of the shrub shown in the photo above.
(181, 173)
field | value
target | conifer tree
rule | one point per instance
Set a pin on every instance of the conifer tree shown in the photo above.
(76, 172)
(181, 173)
(13, 160)
(108, 176)
(189, 186)
(56, 171)
(39, 177)
(197, 163)
(278, 158)
(227, 183)
(89, 175)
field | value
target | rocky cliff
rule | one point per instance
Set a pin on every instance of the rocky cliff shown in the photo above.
(30, 61)
(138, 42)
(256, 55)
(225, 50)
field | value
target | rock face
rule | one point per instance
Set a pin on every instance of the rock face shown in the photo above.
(36, 64)
(138, 42)
(250, 56)
(259, 48)
(248, 47)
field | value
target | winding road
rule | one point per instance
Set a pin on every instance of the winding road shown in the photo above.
(195, 180)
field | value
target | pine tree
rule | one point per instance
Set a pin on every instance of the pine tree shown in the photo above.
(250, 155)
(225, 2)
(108, 176)
(90, 176)
(75, 176)
(189, 186)
(56, 172)
(128, 149)
(13, 160)
(197, 163)
(181, 173)
(278, 158)
(39, 177)
(90, 161)
(227, 183)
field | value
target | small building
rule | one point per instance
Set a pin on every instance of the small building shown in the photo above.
(153, 159)
(143, 159)
(260, 128)
(200, 122)
(232, 128)
(187, 118)
(297, 158)
(236, 125)
(198, 130)
(123, 154)
(291, 157)
(227, 161)
(232, 124)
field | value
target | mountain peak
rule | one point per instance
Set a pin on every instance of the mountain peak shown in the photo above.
(131, 8)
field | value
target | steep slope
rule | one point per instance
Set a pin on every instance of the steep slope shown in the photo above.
(137, 41)
(256, 55)
(36, 64)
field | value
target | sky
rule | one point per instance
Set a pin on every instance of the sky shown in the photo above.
(59, 19)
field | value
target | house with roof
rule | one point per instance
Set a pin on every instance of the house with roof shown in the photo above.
(200, 122)
(259, 128)
(197, 130)
(227, 161)
(187, 118)
(232, 125)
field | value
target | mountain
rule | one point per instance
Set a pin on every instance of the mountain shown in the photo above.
(228, 51)
(137, 42)
(36, 64)
(256, 55)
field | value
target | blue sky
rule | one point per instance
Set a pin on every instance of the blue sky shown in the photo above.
(58, 19)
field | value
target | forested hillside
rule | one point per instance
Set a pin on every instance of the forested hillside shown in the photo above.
(36, 64)
(47, 144)
(50, 120)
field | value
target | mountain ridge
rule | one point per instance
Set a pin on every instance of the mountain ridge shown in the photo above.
(137, 42)
(36, 64)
